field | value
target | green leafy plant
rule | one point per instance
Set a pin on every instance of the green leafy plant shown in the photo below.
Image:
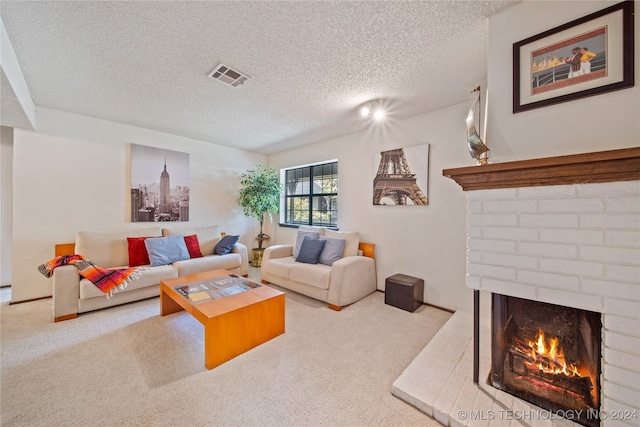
(260, 194)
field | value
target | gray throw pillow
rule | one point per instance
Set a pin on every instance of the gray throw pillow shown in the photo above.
(332, 251)
(166, 250)
(310, 250)
(300, 237)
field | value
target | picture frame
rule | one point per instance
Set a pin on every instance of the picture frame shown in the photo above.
(547, 69)
(159, 184)
(402, 176)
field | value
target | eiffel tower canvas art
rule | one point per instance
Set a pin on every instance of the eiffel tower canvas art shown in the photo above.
(401, 175)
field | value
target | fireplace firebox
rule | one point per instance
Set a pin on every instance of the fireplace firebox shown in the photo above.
(548, 355)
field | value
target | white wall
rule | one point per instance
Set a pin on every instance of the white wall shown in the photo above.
(73, 174)
(598, 123)
(422, 241)
(6, 204)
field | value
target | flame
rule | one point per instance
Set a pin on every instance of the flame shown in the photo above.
(549, 356)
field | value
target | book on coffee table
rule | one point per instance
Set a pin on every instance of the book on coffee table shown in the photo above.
(199, 296)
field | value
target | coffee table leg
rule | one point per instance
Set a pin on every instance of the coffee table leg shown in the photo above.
(230, 334)
(168, 305)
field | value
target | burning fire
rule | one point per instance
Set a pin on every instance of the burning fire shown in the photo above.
(549, 357)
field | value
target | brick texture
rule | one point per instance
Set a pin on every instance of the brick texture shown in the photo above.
(574, 245)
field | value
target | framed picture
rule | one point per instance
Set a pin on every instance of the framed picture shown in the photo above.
(401, 176)
(585, 57)
(159, 184)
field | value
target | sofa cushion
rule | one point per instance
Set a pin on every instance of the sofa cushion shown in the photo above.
(166, 250)
(300, 238)
(312, 228)
(193, 246)
(149, 276)
(317, 275)
(310, 250)
(208, 237)
(207, 263)
(279, 266)
(108, 250)
(332, 251)
(225, 245)
(352, 241)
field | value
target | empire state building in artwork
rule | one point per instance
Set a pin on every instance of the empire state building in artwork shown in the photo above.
(164, 199)
(165, 191)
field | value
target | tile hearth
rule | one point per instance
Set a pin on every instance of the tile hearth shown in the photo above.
(439, 383)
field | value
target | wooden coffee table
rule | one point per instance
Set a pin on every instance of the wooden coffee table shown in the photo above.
(233, 324)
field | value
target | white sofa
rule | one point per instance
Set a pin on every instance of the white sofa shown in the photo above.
(347, 280)
(73, 294)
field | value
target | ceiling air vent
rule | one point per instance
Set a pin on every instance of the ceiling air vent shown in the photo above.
(228, 75)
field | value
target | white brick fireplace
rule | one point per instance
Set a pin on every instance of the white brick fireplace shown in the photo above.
(565, 231)
(572, 245)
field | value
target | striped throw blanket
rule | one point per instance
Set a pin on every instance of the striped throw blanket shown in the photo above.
(108, 280)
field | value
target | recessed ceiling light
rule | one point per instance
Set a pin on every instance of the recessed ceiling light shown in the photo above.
(379, 114)
(374, 110)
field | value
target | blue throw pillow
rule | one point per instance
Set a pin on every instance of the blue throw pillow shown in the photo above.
(300, 238)
(166, 250)
(310, 250)
(225, 245)
(332, 251)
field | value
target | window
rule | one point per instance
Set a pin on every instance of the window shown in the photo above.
(311, 195)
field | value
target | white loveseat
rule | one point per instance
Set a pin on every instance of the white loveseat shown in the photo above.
(73, 294)
(345, 281)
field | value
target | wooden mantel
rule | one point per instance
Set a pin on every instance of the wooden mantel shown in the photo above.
(602, 166)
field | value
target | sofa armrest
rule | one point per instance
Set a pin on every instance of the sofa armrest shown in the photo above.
(352, 278)
(277, 251)
(242, 250)
(66, 292)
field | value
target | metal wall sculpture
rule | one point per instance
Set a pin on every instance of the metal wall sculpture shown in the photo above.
(477, 148)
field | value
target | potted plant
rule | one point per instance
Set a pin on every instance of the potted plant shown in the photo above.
(260, 194)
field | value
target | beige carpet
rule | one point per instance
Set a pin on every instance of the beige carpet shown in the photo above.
(127, 366)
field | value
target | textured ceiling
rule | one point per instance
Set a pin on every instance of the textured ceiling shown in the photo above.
(146, 63)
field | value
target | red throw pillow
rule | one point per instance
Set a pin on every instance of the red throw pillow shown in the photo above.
(193, 246)
(138, 254)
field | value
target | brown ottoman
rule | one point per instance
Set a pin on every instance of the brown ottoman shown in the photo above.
(404, 292)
